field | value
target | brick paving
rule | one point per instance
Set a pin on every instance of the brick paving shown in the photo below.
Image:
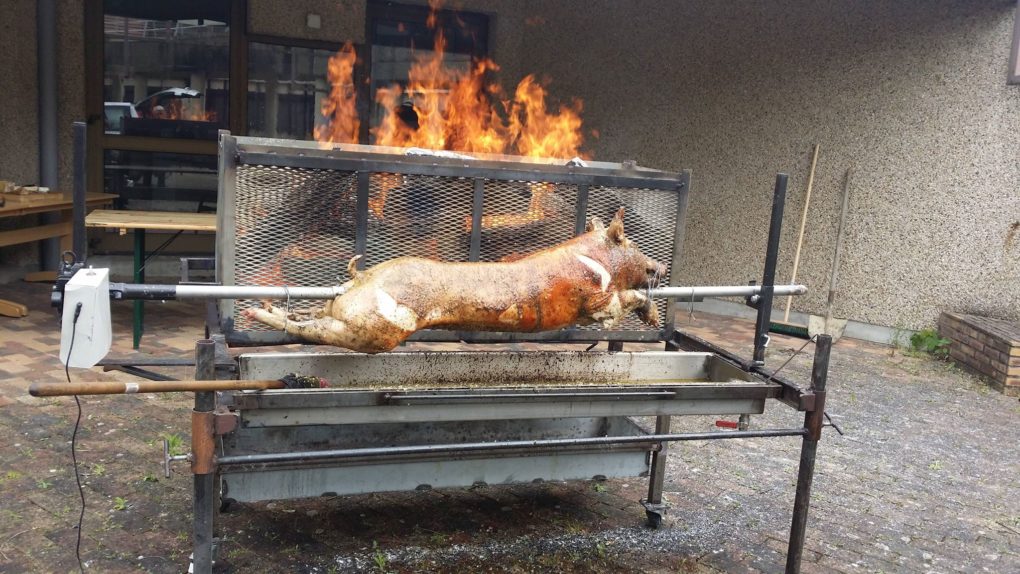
(924, 481)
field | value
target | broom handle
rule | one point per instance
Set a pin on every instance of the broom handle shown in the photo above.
(840, 232)
(800, 235)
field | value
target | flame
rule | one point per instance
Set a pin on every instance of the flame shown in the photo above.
(340, 107)
(178, 110)
(446, 108)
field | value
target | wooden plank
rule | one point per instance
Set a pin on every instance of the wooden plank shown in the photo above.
(12, 309)
(28, 234)
(160, 220)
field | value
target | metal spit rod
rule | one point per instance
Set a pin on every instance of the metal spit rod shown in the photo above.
(161, 292)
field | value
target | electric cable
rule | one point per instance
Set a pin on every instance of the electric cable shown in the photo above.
(74, 438)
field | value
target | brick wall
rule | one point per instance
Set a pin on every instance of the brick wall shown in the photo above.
(986, 346)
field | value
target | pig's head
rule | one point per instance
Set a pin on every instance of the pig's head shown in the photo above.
(628, 266)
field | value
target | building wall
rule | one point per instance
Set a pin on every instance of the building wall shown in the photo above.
(911, 94)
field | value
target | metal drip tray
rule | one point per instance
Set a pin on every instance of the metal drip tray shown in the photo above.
(449, 398)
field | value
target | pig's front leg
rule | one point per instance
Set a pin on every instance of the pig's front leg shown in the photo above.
(324, 330)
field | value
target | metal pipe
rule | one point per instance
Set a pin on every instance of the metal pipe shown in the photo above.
(78, 237)
(131, 388)
(46, 47)
(768, 290)
(482, 446)
(154, 292)
(203, 463)
(805, 473)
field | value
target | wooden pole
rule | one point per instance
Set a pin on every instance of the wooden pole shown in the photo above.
(119, 388)
(803, 224)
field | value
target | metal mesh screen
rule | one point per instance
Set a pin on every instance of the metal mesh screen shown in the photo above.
(520, 217)
(294, 226)
(649, 221)
(418, 215)
(299, 226)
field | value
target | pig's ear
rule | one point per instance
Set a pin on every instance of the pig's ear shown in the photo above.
(615, 230)
(594, 224)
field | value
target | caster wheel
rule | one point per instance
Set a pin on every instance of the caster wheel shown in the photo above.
(654, 519)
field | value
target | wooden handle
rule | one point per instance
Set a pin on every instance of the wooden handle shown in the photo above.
(119, 388)
(803, 224)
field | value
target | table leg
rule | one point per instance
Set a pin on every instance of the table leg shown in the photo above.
(139, 310)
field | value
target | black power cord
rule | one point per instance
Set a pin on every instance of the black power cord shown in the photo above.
(74, 437)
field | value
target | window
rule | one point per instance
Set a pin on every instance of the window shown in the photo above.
(399, 34)
(166, 68)
(286, 85)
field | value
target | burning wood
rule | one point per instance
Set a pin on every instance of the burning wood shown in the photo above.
(600, 276)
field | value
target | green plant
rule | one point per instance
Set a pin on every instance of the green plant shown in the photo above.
(98, 469)
(935, 465)
(928, 341)
(119, 503)
(149, 477)
(175, 442)
(379, 557)
(599, 487)
(43, 484)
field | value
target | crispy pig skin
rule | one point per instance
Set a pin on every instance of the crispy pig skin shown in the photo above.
(597, 277)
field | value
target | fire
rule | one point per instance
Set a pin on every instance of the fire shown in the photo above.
(178, 110)
(445, 108)
(339, 107)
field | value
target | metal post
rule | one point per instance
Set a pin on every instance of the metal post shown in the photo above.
(813, 423)
(477, 204)
(203, 463)
(46, 45)
(654, 508)
(78, 239)
(139, 309)
(761, 327)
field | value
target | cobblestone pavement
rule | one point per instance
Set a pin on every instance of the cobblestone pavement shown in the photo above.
(924, 481)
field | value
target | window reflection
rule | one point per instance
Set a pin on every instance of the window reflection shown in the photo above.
(159, 181)
(286, 86)
(166, 68)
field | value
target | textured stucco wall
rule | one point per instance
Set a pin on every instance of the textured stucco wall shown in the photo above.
(342, 20)
(911, 93)
(19, 123)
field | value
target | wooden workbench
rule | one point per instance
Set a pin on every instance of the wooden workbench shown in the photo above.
(151, 220)
(139, 222)
(18, 205)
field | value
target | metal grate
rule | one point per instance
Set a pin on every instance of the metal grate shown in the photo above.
(293, 227)
(417, 215)
(520, 217)
(647, 213)
(300, 213)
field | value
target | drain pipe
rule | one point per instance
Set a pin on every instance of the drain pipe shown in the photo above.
(46, 60)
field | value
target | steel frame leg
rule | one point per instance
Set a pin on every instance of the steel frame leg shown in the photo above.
(138, 318)
(809, 448)
(654, 508)
(203, 466)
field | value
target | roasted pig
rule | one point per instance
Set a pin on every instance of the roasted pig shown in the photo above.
(597, 277)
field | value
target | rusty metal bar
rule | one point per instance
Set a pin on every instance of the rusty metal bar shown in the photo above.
(813, 422)
(203, 461)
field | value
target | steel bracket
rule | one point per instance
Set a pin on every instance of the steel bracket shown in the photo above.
(224, 422)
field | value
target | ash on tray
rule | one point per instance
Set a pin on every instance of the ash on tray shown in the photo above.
(294, 381)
